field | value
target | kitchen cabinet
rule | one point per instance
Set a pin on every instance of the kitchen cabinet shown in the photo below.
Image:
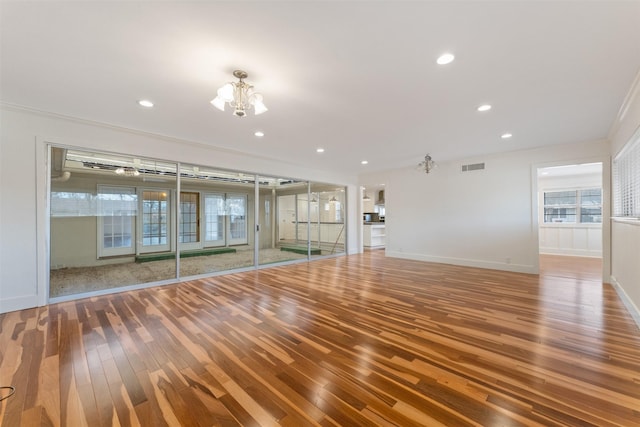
(374, 236)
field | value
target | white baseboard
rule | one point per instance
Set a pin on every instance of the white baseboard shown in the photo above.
(516, 268)
(571, 252)
(18, 303)
(628, 303)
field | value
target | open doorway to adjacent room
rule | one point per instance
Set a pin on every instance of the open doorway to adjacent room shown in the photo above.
(374, 234)
(570, 206)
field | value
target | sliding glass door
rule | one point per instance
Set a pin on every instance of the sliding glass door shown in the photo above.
(278, 220)
(109, 228)
(118, 220)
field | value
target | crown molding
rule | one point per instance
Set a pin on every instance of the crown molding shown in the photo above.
(633, 92)
(89, 122)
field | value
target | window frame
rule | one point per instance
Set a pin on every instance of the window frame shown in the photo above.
(577, 206)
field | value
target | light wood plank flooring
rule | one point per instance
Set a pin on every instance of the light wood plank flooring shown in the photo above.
(357, 340)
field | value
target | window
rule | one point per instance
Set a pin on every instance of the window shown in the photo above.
(72, 203)
(591, 205)
(626, 180)
(573, 206)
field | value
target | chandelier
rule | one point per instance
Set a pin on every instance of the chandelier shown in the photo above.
(240, 96)
(427, 164)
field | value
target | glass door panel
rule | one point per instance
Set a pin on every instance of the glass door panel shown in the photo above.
(328, 229)
(189, 226)
(282, 214)
(96, 222)
(215, 218)
(155, 220)
(236, 206)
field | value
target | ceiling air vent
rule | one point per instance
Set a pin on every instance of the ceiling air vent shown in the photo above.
(473, 167)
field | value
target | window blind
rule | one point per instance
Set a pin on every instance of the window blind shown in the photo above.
(626, 180)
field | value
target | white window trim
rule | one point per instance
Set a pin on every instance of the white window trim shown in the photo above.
(577, 223)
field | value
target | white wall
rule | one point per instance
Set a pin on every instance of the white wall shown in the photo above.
(483, 218)
(23, 174)
(625, 236)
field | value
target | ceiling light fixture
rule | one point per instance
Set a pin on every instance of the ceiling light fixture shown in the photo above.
(127, 171)
(506, 136)
(320, 150)
(445, 59)
(145, 103)
(364, 162)
(427, 165)
(259, 134)
(240, 96)
(484, 107)
(366, 197)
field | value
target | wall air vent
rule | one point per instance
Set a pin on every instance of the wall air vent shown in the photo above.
(473, 167)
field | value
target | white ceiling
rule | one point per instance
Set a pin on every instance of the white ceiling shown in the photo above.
(357, 78)
(571, 170)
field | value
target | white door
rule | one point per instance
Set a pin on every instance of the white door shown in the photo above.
(214, 224)
(155, 220)
(236, 205)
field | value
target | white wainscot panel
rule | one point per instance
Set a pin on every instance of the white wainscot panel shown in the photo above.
(595, 240)
(579, 240)
(565, 238)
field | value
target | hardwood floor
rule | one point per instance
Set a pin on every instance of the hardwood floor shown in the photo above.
(357, 340)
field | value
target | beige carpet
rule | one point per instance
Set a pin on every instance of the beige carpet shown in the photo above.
(68, 281)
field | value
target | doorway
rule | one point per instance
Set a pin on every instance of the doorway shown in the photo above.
(570, 212)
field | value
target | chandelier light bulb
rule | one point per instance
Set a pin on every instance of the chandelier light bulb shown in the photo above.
(445, 59)
(218, 103)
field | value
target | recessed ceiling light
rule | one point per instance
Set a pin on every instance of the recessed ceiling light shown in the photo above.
(145, 103)
(259, 133)
(484, 107)
(320, 150)
(506, 136)
(364, 162)
(445, 59)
